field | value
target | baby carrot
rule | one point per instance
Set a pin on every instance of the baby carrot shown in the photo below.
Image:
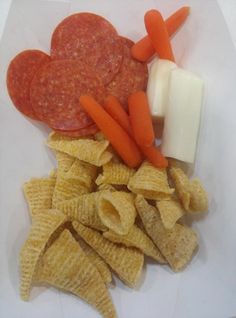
(158, 34)
(140, 118)
(118, 137)
(117, 112)
(143, 50)
(151, 153)
(155, 157)
(176, 20)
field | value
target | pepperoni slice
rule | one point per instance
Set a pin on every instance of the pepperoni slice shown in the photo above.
(92, 39)
(55, 92)
(20, 74)
(87, 131)
(133, 75)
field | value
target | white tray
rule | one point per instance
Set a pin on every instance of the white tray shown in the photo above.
(207, 288)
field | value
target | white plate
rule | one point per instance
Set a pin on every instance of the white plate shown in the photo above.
(207, 288)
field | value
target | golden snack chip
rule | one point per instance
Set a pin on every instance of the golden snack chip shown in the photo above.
(83, 172)
(177, 245)
(64, 265)
(97, 261)
(151, 182)
(67, 188)
(136, 238)
(181, 183)
(99, 180)
(99, 136)
(88, 150)
(38, 194)
(84, 209)
(198, 196)
(179, 164)
(126, 262)
(43, 227)
(64, 161)
(81, 167)
(105, 186)
(117, 211)
(191, 193)
(170, 212)
(115, 173)
(75, 246)
(53, 173)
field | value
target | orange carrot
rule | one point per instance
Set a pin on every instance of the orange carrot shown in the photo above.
(151, 153)
(117, 112)
(143, 50)
(176, 20)
(158, 34)
(118, 137)
(155, 156)
(140, 118)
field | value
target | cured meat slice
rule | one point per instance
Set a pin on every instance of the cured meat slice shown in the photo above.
(132, 77)
(55, 92)
(92, 39)
(20, 73)
(87, 131)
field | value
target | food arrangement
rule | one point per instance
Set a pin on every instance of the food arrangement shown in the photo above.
(115, 198)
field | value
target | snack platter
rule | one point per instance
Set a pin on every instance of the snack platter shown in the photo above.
(117, 227)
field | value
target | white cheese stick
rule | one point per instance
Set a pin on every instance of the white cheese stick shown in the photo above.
(157, 88)
(182, 116)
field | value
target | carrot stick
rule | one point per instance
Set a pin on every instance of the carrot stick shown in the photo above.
(158, 34)
(155, 156)
(176, 20)
(140, 118)
(118, 137)
(117, 112)
(143, 50)
(151, 153)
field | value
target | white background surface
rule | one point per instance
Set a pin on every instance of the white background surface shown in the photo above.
(207, 288)
(228, 8)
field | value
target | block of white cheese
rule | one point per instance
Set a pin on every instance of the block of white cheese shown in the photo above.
(182, 117)
(157, 88)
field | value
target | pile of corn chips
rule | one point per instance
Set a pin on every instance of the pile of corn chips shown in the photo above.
(94, 216)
